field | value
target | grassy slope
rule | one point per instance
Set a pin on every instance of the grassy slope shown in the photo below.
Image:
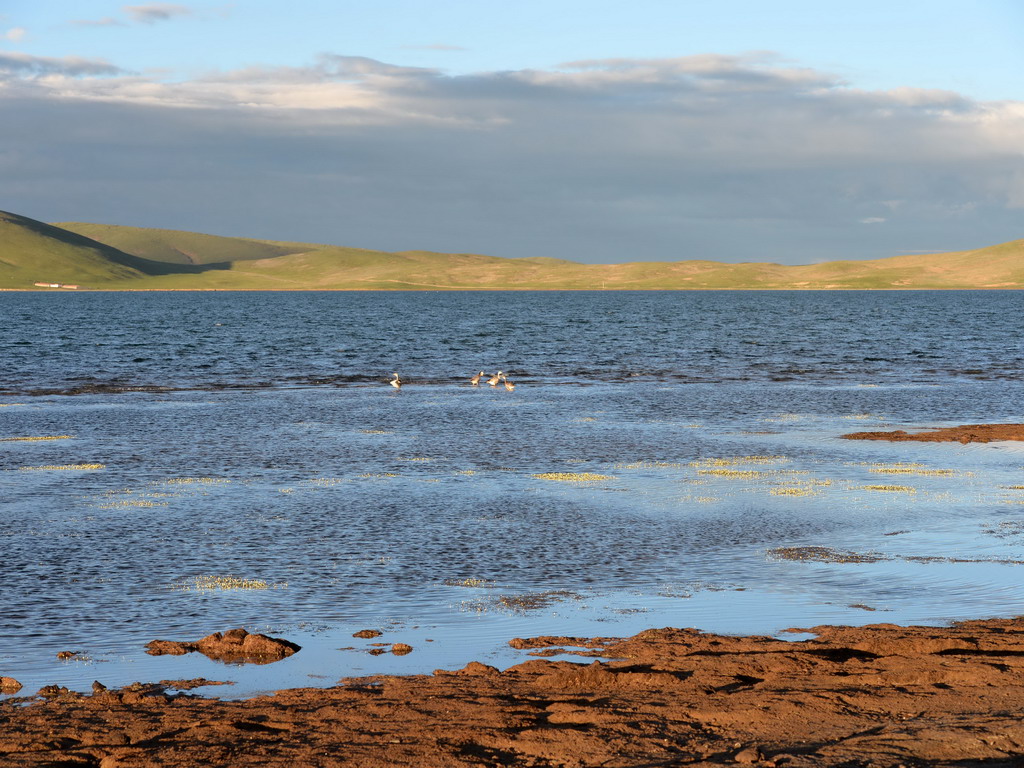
(267, 265)
(177, 247)
(32, 251)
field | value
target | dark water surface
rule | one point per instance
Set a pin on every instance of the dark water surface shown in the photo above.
(253, 436)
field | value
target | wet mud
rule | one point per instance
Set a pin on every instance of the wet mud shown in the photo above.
(878, 695)
(968, 433)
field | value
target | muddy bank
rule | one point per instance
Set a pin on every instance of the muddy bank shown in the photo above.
(879, 695)
(968, 433)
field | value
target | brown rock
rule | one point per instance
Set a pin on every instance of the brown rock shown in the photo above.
(169, 648)
(968, 433)
(235, 645)
(53, 691)
(473, 669)
(366, 634)
(9, 685)
(748, 756)
(401, 649)
(67, 654)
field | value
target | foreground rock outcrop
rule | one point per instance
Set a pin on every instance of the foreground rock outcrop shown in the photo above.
(968, 433)
(233, 646)
(880, 695)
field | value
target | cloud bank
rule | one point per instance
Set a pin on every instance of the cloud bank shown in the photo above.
(736, 158)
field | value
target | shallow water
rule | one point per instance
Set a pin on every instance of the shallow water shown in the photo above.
(262, 442)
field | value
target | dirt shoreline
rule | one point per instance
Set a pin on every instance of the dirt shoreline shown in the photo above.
(878, 695)
(967, 433)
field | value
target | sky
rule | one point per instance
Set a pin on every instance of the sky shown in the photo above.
(660, 130)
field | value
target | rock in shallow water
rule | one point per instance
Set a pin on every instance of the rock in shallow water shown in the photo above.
(235, 645)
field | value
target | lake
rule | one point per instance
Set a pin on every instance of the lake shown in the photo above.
(238, 459)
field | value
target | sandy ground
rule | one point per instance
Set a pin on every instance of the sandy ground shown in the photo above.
(879, 695)
(968, 433)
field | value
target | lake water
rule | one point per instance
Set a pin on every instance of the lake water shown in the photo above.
(254, 436)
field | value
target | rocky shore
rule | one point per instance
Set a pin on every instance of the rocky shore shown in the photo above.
(967, 433)
(879, 695)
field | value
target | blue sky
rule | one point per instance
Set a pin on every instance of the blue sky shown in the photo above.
(789, 131)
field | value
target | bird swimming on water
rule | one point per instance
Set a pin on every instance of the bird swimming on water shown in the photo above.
(508, 384)
(476, 379)
(493, 381)
(395, 382)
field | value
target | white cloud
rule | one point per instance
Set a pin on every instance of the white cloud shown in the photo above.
(15, 34)
(106, 21)
(712, 156)
(151, 13)
(22, 65)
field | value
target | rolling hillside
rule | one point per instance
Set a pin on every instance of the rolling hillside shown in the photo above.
(110, 257)
(177, 247)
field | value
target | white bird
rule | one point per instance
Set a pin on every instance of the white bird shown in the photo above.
(508, 384)
(476, 379)
(395, 382)
(493, 381)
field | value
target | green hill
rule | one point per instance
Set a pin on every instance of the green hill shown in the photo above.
(176, 247)
(132, 258)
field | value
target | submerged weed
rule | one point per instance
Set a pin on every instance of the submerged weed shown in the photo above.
(650, 465)
(35, 438)
(129, 503)
(893, 488)
(196, 480)
(207, 583)
(474, 583)
(747, 474)
(908, 468)
(573, 477)
(736, 461)
(64, 467)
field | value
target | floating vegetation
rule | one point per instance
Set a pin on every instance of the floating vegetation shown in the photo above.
(48, 467)
(909, 468)
(129, 503)
(473, 583)
(466, 472)
(34, 439)
(1012, 487)
(747, 474)
(225, 583)
(890, 488)
(9, 405)
(736, 461)
(327, 481)
(286, 490)
(650, 465)
(573, 477)
(535, 600)
(801, 488)
(378, 475)
(859, 416)
(416, 458)
(706, 499)
(197, 480)
(377, 431)
(824, 555)
(793, 491)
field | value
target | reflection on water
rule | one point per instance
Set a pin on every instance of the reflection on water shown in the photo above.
(452, 518)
